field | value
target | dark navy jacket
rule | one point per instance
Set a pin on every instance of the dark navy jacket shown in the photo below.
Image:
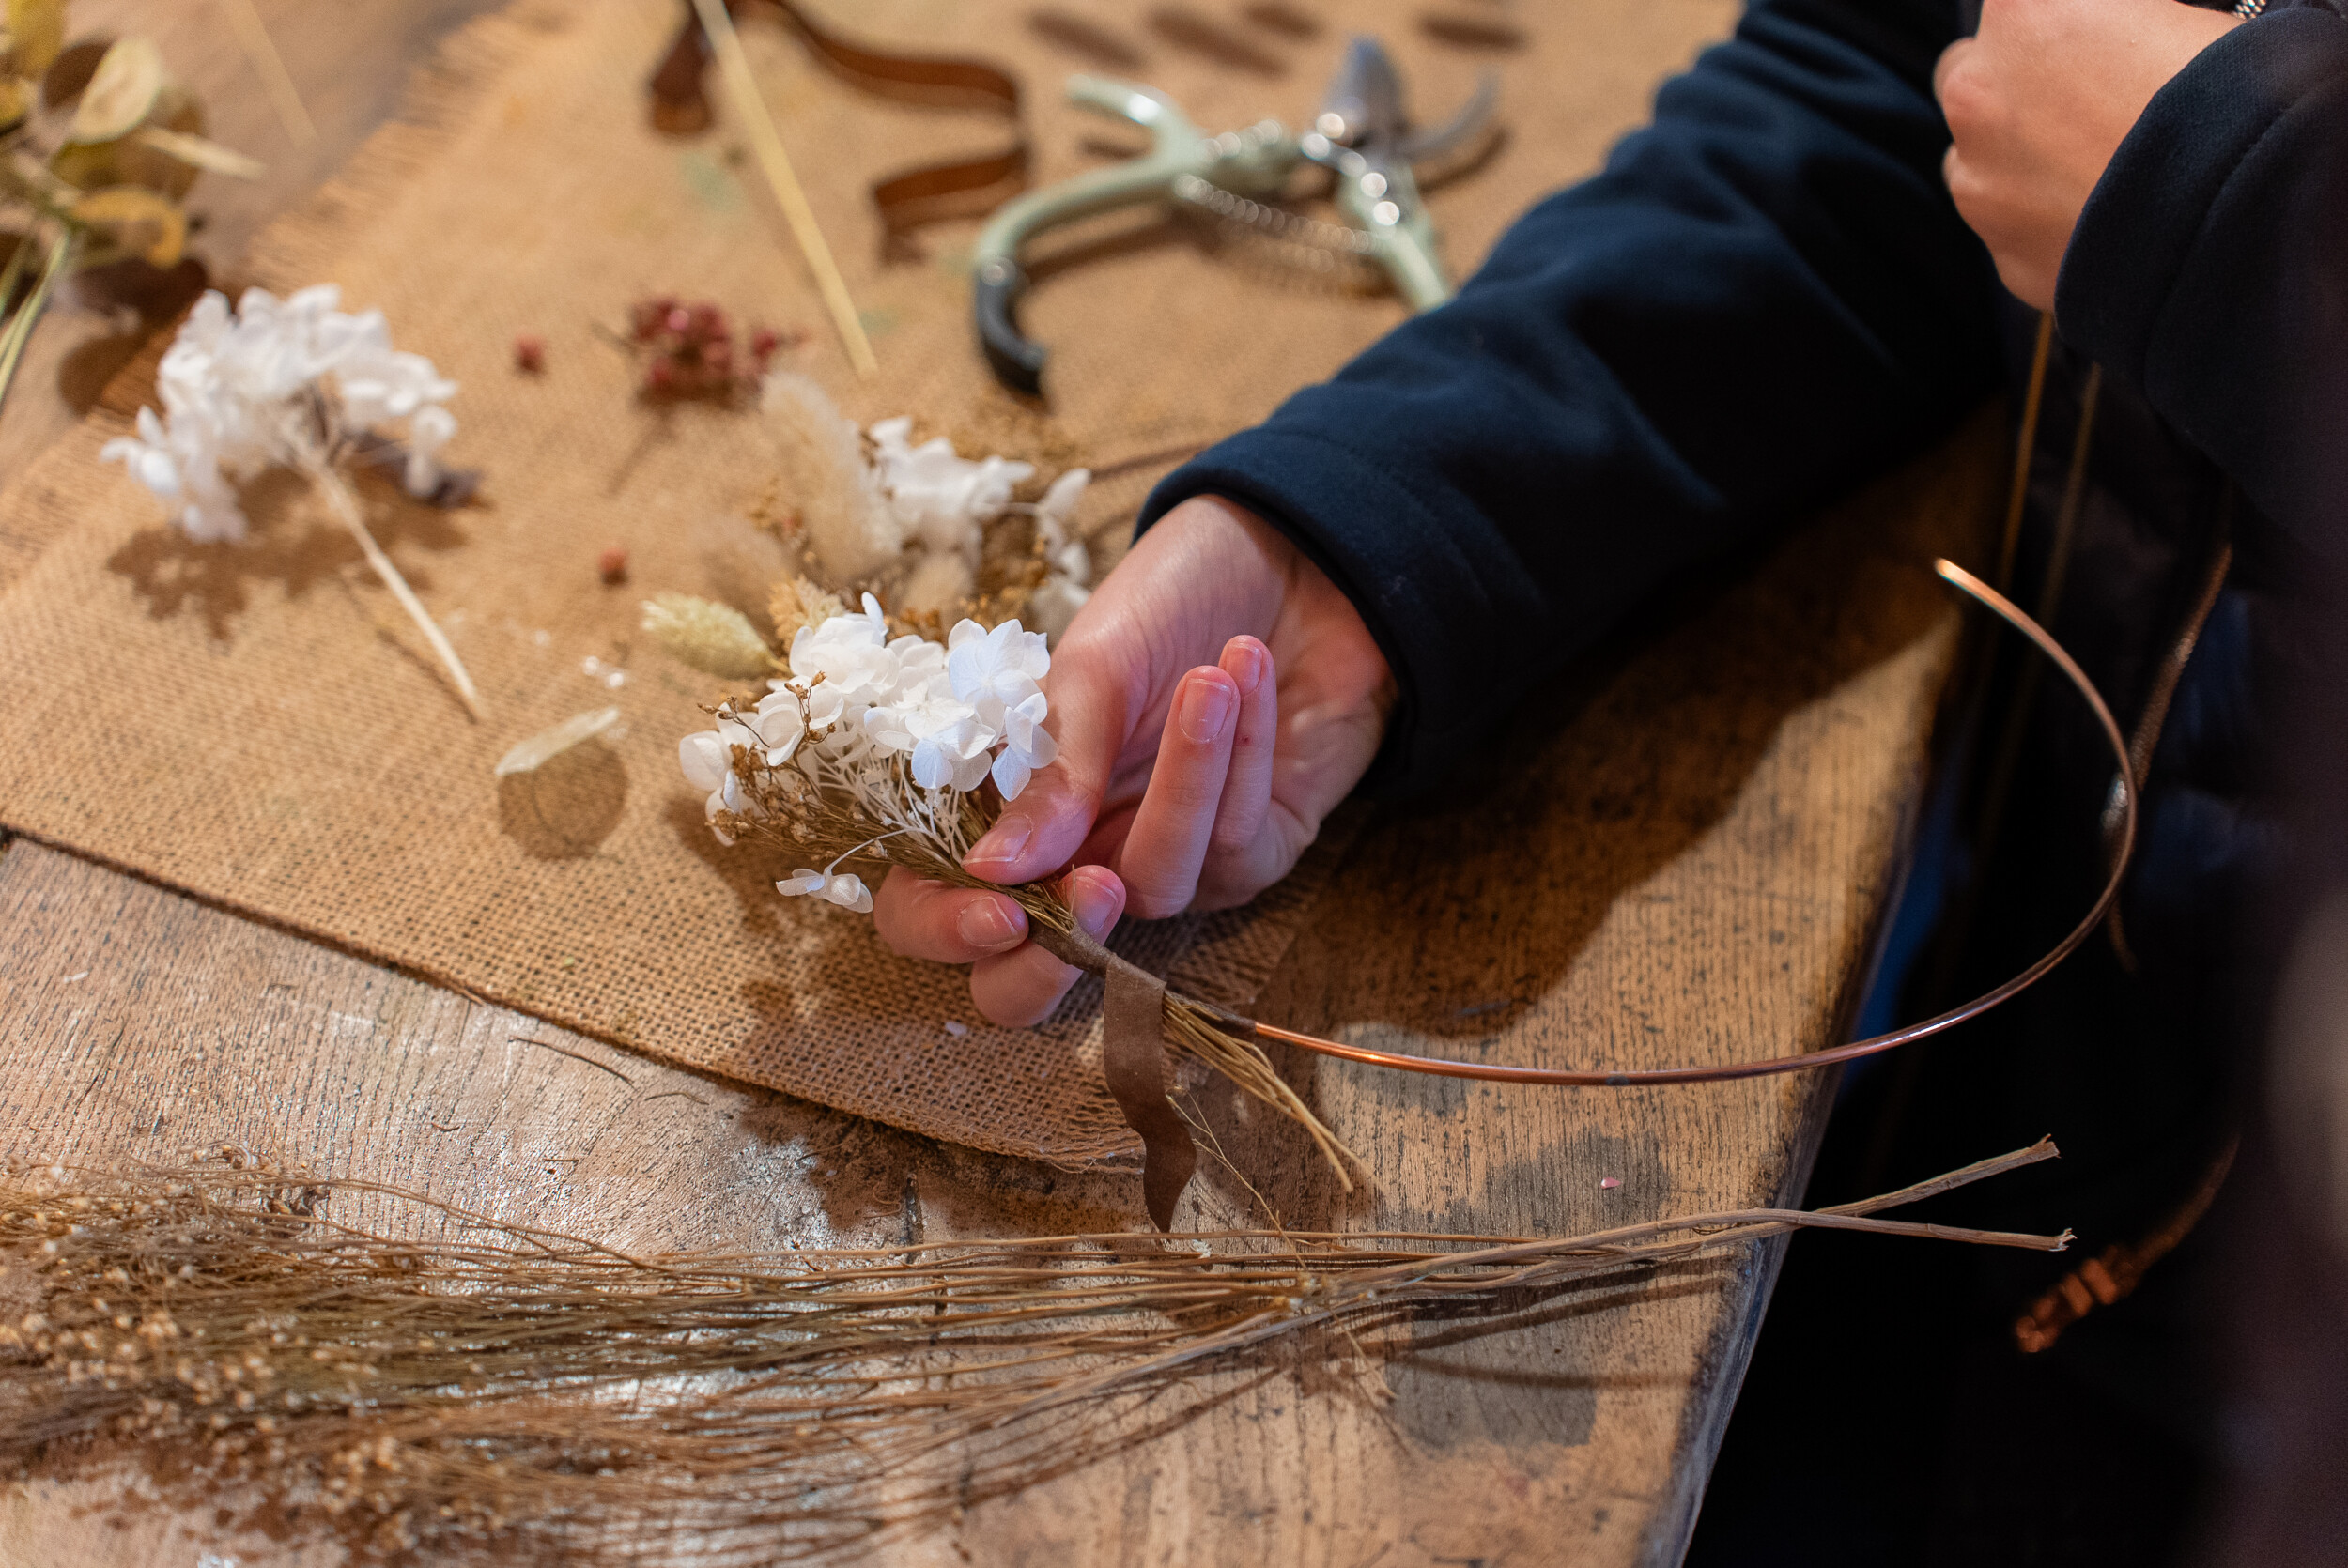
(1766, 298)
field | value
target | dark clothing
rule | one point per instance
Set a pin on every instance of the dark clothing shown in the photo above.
(1764, 299)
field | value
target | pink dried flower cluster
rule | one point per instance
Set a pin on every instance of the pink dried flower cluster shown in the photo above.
(689, 350)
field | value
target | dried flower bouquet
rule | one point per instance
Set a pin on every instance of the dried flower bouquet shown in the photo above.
(877, 750)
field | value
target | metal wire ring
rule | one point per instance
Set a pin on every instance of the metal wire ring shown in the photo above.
(2124, 792)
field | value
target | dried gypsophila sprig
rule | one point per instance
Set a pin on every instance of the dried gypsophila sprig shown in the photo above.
(293, 384)
(507, 1388)
(873, 753)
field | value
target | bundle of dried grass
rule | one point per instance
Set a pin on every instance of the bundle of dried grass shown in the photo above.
(518, 1392)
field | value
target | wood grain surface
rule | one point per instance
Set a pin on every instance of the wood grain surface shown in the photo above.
(1683, 854)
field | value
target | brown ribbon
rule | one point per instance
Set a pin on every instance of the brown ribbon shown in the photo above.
(680, 106)
(1132, 1054)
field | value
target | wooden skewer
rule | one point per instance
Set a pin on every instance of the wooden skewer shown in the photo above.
(283, 95)
(743, 89)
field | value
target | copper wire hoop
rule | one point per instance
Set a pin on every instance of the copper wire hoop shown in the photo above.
(2124, 786)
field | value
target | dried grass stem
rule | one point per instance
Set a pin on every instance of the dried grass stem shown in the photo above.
(499, 1389)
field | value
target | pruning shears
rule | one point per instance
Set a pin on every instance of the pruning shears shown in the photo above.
(1360, 135)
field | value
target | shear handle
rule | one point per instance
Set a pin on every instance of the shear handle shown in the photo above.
(1176, 148)
(1420, 146)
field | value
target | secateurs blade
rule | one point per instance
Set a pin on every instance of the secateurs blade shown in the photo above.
(1360, 135)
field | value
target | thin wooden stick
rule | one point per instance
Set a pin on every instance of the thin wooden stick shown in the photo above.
(743, 87)
(346, 507)
(270, 66)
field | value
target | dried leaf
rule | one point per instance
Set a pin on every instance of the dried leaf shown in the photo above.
(199, 153)
(547, 744)
(123, 92)
(36, 34)
(70, 73)
(135, 222)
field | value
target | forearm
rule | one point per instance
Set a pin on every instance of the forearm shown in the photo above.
(1765, 296)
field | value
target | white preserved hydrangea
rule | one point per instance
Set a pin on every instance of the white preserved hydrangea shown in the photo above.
(898, 728)
(936, 497)
(277, 382)
(289, 383)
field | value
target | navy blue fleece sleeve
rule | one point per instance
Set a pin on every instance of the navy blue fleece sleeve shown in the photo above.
(2210, 266)
(1765, 296)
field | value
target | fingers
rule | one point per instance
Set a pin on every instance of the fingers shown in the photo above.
(946, 925)
(1247, 785)
(1021, 987)
(1039, 832)
(1167, 842)
(1949, 59)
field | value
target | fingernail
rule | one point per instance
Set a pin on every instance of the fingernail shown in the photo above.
(1097, 906)
(1003, 841)
(1250, 659)
(1206, 708)
(985, 923)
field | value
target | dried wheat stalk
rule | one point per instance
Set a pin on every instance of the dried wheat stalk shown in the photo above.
(510, 1392)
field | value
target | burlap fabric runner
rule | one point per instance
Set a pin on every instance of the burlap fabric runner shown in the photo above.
(258, 725)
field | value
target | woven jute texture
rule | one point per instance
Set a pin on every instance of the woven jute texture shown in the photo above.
(257, 723)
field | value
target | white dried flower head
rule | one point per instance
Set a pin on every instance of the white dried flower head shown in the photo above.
(1059, 502)
(849, 893)
(277, 382)
(428, 430)
(845, 889)
(936, 497)
(1027, 746)
(993, 670)
(847, 656)
(779, 721)
(706, 760)
(892, 731)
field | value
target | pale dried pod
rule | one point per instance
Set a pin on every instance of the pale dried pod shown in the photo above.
(123, 93)
(717, 639)
(545, 746)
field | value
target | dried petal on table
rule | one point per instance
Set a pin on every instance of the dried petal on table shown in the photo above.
(544, 747)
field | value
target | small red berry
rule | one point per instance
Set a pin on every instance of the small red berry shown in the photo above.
(765, 341)
(612, 565)
(530, 354)
(660, 374)
(678, 320)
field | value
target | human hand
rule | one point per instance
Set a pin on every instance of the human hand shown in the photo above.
(2038, 100)
(1215, 699)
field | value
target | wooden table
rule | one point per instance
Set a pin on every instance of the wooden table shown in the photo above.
(1685, 855)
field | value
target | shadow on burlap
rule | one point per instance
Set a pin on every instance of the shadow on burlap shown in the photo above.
(258, 725)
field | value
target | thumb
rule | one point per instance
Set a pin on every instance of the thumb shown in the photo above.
(1042, 830)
